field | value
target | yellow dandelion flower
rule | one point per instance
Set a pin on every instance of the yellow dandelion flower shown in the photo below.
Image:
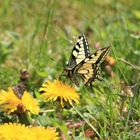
(30, 103)
(9, 102)
(58, 90)
(13, 132)
(42, 133)
(21, 132)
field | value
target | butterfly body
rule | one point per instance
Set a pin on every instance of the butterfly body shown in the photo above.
(84, 65)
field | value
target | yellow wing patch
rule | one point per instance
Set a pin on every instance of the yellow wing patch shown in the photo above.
(86, 72)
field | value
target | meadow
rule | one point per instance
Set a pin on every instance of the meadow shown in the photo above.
(39, 35)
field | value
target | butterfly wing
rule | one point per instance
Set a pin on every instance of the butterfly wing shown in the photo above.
(80, 51)
(88, 69)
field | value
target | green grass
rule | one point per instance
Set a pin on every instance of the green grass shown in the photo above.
(38, 35)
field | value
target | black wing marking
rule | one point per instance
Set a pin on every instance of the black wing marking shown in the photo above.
(80, 51)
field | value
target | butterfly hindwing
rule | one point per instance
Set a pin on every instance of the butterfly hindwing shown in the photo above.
(89, 69)
(80, 51)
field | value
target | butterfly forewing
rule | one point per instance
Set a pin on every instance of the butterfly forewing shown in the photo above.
(88, 69)
(98, 57)
(79, 52)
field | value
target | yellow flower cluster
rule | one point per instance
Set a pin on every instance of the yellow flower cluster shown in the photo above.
(57, 90)
(9, 102)
(21, 132)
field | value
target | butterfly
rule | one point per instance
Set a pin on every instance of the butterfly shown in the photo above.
(82, 64)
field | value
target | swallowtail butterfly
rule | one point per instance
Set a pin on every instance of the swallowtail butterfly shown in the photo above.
(83, 64)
